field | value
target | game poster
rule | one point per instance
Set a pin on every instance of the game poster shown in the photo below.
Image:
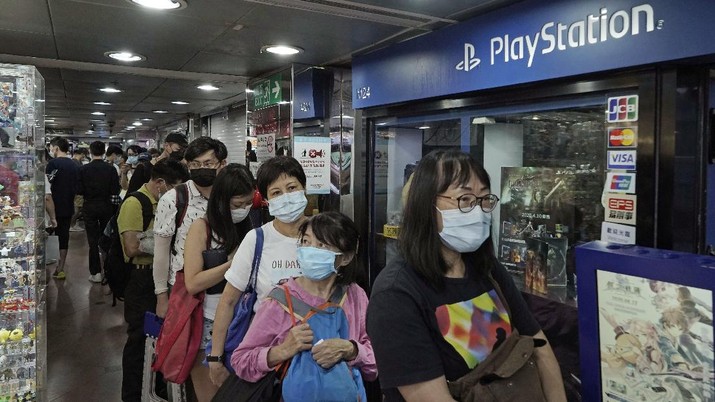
(656, 340)
(536, 221)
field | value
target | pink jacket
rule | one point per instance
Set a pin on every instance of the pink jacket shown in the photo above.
(271, 324)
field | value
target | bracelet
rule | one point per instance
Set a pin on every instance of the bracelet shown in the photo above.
(219, 359)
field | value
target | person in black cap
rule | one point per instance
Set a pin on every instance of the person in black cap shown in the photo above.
(174, 144)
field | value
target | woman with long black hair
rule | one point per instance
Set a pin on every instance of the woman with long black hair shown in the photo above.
(222, 230)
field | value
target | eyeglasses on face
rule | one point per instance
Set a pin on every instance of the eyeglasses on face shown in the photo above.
(205, 165)
(467, 202)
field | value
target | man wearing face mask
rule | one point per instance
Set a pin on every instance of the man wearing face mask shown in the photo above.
(98, 183)
(174, 142)
(206, 157)
(138, 248)
(114, 153)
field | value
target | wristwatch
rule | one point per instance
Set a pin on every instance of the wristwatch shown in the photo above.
(210, 358)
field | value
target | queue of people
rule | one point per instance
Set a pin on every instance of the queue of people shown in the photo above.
(434, 314)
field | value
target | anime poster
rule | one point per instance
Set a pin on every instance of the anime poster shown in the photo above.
(537, 219)
(656, 340)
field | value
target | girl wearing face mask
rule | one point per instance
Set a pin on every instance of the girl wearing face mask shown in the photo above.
(327, 247)
(434, 312)
(281, 181)
(210, 246)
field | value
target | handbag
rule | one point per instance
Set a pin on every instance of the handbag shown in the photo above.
(180, 336)
(508, 373)
(213, 258)
(243, 312)
(267, 389)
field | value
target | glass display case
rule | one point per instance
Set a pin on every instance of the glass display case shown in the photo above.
(22, 275)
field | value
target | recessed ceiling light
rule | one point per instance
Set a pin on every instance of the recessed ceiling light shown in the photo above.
(147, 119)
(179, 103)
(39, 100)
(161, 4)
(423, 127)
(129, 128)
(160, 111)
(110, 90)
(102, 103)
(137, 123)
(98, 113)
(249, 91)
(49, 120)
(283, 50)
(124, 56)
(208, 87)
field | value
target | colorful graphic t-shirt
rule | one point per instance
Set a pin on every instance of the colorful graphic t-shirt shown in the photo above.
(474, 327)
(420, 332)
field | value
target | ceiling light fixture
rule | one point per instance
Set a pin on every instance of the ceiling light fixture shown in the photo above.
(49, 120)
(423, 127)
(137, 123)
(102, 103)
(179, 103)
(208, 87)
(282, 50)
(147, 119)
(97, 113)
(124, 56)
(249, 91)
(160, 111)
(110, 90)
(161, 4)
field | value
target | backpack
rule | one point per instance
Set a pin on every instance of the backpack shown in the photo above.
(305, 379)
(116, 270)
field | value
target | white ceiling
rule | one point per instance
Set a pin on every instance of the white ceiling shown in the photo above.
(215, 41)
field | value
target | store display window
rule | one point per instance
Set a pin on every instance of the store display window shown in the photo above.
(547, 163)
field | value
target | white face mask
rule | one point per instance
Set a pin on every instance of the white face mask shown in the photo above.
(465, 232)
(238, 215)
(288, 207)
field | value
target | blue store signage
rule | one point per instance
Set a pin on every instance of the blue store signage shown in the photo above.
(533, 41)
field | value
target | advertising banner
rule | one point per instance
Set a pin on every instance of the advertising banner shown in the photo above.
(313, 153)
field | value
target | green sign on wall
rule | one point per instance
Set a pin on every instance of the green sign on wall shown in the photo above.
(267, 92)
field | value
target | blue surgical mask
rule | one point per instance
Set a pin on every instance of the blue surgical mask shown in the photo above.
(316, 263)
(465, 232)
(288, 207)
(133, 160)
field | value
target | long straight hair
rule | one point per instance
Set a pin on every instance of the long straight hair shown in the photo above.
(233, 180)
(419, 240)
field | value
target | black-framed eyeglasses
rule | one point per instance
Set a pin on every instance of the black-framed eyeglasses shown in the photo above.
(467, 202)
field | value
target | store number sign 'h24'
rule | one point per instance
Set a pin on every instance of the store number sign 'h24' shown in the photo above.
(267, 92)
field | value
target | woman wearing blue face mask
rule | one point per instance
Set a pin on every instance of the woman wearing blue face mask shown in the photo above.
(209, 249)
(281, 181)
(435, 313)
(328, 244)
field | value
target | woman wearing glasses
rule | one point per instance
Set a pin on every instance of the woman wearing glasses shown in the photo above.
(434, 313)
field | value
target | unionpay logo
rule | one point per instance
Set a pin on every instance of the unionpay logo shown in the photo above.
(622, 137)
(470, 62)
(621, 182)
(622, 108)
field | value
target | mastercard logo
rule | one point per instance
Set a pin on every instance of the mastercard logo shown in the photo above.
(622, 137)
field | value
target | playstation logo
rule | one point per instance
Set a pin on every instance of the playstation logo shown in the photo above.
(470, 62)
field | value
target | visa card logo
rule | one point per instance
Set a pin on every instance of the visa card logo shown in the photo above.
(622, 108)
(625, 160)
(621, 182)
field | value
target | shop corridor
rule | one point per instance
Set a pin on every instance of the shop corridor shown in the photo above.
(85, 334)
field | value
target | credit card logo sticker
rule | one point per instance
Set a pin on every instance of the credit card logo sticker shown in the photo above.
(621, 183)
(622, 137)
(625, 160)
(621, 208)
(622, 108)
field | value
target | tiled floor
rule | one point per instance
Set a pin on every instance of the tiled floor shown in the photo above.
(85, 334)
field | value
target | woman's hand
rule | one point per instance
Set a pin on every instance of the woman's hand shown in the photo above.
(331, 351)
(299, 338)
(218, 373)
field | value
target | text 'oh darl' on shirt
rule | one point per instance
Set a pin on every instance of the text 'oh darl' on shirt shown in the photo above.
(278, 261)
(165, 222)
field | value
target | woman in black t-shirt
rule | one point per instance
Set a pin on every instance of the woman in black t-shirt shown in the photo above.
(434, 313)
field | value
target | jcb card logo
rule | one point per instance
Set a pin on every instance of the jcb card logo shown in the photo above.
(622, 137)
(622, 108)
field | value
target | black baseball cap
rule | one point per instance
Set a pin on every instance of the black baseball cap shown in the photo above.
(177, 138)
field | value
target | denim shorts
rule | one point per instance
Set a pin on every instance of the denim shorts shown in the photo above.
(208, 329)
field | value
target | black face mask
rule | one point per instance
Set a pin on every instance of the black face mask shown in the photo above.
(203, 177)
